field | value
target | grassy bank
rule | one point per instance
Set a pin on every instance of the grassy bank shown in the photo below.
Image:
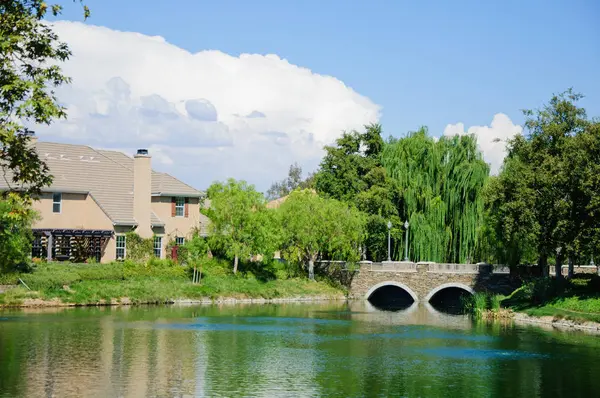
(158, 281)
(577, 299)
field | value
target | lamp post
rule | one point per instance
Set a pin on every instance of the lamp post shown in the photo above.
(389, 225)
(406, 244)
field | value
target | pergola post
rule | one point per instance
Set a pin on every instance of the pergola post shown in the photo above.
(50, 244)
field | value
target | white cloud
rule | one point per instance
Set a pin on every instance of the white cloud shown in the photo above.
(204, 116)
(491, 139)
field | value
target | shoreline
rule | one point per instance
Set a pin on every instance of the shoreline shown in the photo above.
(124, 301)
(550, 322)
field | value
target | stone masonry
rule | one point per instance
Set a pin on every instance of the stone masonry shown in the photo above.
(423, 280)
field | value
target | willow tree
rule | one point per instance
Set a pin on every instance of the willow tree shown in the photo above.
(441, 183)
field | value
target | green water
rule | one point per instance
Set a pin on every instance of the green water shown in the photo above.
(287, 350)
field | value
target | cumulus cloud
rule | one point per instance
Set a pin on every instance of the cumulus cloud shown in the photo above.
(491, 139)
(204, 116)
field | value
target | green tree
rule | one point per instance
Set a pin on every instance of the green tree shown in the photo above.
(16, 218)
(196, 251)
(316, 228)
(351, 171)
(293, 181)
(240, 222)
(440, 183)
(547, 190)
(29, 53)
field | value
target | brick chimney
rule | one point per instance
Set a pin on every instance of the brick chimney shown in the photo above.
(142, 192)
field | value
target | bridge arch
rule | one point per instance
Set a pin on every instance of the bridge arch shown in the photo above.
(392, 283)
(446, 286)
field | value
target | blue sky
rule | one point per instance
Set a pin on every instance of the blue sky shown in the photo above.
(425, 62)
(453, 66)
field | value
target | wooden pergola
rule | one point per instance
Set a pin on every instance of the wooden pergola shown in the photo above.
(70, 244)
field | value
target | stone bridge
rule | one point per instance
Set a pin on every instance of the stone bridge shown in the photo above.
(423, 280)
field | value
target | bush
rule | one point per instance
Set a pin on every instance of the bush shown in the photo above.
(541, 290)
(153, 268)
(16, 217)
(138, 248)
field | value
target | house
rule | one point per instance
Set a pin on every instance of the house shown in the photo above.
(97, 196)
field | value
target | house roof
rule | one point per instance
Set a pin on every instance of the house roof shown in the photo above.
(274, 204)
(106, 175)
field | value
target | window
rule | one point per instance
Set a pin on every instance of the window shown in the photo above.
(56, 202)
(179, 240)
(121, 247)
(157, 246)
(179, 207)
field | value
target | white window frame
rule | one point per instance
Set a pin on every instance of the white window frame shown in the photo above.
(124, 248)
(179, 207)
(55, 202)
(178, 239)
(157, 239)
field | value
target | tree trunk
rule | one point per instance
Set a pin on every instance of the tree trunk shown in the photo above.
(543, 264)
(558, 268)
(571, 267)
(194, 275)
(235, 264)
(311, 269)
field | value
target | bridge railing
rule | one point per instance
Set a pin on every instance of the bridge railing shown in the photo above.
(453, 268)
(394, 266)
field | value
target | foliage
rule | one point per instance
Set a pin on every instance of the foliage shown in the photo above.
(441, 184)
(547, 194)
(293, 181)
(316, 228)
(139, 249)
(29, 53)
(16, 218)
(351, 171)
(241, 225)
(576, 299)
(157, 281)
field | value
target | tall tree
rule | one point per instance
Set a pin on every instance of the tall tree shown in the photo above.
(317, 228)
(441, 186)
(29, 53)
(293, 181)
(239, 220)
(547, 187)
(351, 171)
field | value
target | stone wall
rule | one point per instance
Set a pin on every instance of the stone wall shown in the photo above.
(420, 280)
(577, 269)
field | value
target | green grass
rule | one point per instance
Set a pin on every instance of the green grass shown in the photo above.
(156, 282)
(577, 299)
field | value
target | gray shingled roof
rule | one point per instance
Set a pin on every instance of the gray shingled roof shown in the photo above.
(106, 175)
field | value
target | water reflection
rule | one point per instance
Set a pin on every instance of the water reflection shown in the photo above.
(450, 300)
(391, 298)
(331, 349)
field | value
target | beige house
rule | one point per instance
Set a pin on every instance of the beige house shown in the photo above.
(97, 196)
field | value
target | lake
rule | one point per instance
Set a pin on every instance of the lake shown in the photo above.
(335, 349)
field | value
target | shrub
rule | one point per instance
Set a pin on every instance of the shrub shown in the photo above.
(16, 217)
(138, 248)
(153, 268)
